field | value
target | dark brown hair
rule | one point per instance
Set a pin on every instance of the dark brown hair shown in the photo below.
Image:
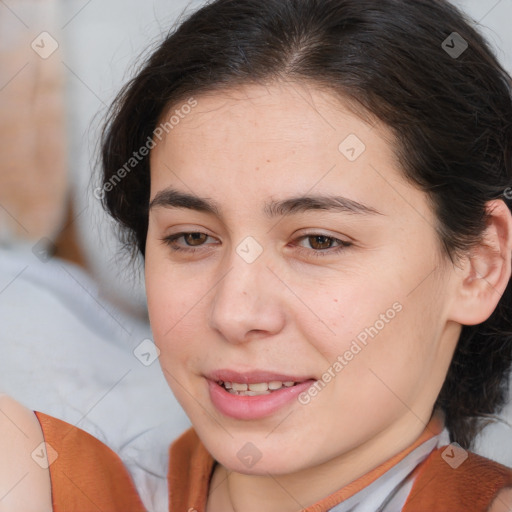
(449, 107)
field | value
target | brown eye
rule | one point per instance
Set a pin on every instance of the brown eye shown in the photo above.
(195, 239)
(191, 240)
(319, 242)
(322, 245)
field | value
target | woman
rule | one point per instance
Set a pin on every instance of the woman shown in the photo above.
(321, 193)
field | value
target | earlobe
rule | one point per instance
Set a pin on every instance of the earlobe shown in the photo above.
(486, 270)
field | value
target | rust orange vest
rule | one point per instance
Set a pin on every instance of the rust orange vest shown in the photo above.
(88, 476)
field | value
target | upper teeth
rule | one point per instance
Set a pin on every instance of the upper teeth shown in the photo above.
(256, 388)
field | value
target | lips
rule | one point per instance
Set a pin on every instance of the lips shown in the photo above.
(247, 405)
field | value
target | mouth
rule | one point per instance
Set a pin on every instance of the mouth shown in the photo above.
(254, 395)
(256, 389)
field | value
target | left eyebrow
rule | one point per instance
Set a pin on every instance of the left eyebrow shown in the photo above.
(300, 204)
(171, 198)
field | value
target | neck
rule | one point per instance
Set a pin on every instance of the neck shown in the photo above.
(236, 492)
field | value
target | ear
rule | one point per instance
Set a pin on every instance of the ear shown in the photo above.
(485, 272)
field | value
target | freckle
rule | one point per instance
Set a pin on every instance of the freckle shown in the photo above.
(268, 161)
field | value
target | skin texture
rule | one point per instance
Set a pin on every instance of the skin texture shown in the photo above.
(293, 313)
(24, 485)
(503, 502)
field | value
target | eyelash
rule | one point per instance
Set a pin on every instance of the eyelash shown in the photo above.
(170, 241)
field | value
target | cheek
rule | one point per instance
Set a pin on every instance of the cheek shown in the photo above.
(382, 325)
(176, 303)
(171, 294)
(390, 358)
(357, 310)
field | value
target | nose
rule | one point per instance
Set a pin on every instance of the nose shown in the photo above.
(247, 303)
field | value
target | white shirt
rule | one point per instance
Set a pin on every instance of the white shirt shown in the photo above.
(389, 492)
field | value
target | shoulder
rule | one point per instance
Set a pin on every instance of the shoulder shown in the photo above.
(458, 480)
(188, 449)
(24, 483)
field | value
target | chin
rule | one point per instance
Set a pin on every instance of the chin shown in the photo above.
(260, 468)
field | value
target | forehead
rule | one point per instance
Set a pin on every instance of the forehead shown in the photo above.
(279, 114)
(255, 141)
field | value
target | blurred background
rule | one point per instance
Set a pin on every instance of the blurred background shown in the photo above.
(74, 334)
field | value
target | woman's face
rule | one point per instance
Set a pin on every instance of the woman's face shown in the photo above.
(350, 301)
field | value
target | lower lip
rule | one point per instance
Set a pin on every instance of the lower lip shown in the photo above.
(253, 407)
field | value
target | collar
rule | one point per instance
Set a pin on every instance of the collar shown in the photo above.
(191, 466)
